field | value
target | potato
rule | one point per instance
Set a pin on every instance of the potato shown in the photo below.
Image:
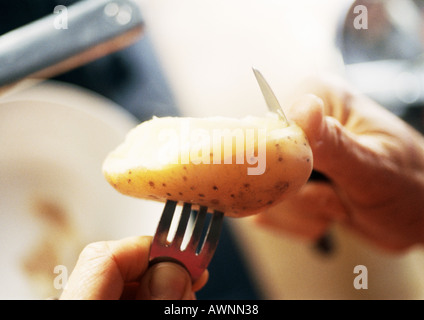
(237, 166)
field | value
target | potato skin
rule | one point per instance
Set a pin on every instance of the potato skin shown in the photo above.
(226, 187)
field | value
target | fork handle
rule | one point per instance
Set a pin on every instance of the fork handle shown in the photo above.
(326, 243)
(166, 259)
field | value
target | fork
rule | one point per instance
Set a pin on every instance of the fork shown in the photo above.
(196, 256)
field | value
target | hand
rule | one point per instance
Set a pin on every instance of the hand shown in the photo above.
(113, 270)
(375, 163)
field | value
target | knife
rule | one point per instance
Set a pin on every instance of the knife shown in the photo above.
(94, 28)
(270, 98)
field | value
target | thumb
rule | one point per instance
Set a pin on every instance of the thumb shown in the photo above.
(165, 281)
(338, 153)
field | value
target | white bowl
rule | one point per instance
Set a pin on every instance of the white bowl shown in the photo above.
(53, 197)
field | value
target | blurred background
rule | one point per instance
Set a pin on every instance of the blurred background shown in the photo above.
(194, 59)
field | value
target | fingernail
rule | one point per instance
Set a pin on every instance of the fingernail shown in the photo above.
(169, 281)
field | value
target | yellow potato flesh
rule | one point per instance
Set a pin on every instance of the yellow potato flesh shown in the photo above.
(238, 166)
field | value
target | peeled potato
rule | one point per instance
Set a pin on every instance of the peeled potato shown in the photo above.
(237, 166)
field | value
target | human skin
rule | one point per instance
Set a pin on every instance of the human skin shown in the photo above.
(375, 165)
(114, 270)
(374, 162)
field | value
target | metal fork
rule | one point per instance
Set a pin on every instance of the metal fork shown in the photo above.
(196, 256)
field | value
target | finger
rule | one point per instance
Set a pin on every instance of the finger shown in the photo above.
(320, 200)
(104, 268)
(201, 282)
(307, 214)
(283, 218)
(132, 289)
(165, 281)
(338, 153)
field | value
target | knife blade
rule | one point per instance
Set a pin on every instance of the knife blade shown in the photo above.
(270, 98)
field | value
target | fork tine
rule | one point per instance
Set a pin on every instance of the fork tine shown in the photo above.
(212, 236)
(182, 225)
(197, 230)
(165, 223)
